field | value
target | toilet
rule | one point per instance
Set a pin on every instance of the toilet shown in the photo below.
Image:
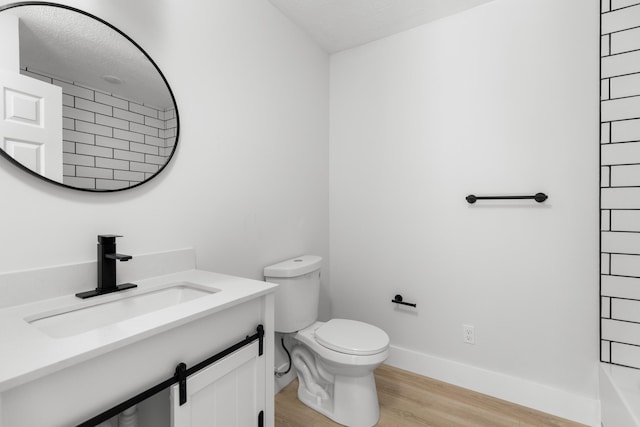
(334, 360)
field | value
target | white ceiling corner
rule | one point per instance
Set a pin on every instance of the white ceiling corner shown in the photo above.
(342, 24)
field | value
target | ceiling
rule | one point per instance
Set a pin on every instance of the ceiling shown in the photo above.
(77, 48)
(342, 24)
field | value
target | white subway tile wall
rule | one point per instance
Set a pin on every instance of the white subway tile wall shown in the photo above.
(110, 142)
(620, 182)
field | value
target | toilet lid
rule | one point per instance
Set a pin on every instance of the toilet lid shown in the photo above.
(352, 337)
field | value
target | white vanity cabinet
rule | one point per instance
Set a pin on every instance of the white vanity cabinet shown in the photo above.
(86, 374)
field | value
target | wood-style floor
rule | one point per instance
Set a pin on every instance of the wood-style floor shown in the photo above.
(408, 400)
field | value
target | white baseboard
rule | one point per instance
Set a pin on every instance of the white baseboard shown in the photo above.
(516, 390)
(285, 380)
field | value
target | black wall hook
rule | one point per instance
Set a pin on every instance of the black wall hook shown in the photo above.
(398, 300)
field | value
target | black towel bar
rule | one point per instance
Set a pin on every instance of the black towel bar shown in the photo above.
(539, 197)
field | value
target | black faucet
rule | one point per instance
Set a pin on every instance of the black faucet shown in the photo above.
(107, 258)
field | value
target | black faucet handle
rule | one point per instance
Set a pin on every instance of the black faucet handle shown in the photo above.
(107, 238)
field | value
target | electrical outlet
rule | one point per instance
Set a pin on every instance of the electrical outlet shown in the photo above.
(469, 334)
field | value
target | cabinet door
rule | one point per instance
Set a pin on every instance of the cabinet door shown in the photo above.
(229, 393)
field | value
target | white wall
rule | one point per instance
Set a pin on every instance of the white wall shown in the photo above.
(248, 185)
(501, 99)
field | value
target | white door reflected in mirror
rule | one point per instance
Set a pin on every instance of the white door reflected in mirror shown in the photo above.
(31, 123)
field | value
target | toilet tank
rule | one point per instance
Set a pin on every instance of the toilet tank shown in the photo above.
(298, 293)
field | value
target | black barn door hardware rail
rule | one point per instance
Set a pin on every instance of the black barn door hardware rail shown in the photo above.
(399, 300)
(538, 197)
(180, 376)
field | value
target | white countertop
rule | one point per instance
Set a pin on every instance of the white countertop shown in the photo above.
(26, 353)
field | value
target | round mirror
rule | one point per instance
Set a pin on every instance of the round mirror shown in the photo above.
(83, 106)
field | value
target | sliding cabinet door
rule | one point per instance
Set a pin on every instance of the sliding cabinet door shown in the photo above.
(229, 393)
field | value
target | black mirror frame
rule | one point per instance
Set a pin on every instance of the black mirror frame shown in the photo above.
(62, 6)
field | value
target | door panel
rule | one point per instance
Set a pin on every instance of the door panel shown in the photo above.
(31, 123)
(229, 393)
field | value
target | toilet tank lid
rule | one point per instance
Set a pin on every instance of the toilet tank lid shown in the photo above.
(294, 267)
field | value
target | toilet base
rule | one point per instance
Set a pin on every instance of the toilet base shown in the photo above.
(353, 401)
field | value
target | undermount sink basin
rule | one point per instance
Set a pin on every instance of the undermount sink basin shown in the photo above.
(114, 308)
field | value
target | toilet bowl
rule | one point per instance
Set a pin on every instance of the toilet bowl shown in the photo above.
(334, 360)
(335, 363)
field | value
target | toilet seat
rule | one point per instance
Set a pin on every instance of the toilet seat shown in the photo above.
(352, 337)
